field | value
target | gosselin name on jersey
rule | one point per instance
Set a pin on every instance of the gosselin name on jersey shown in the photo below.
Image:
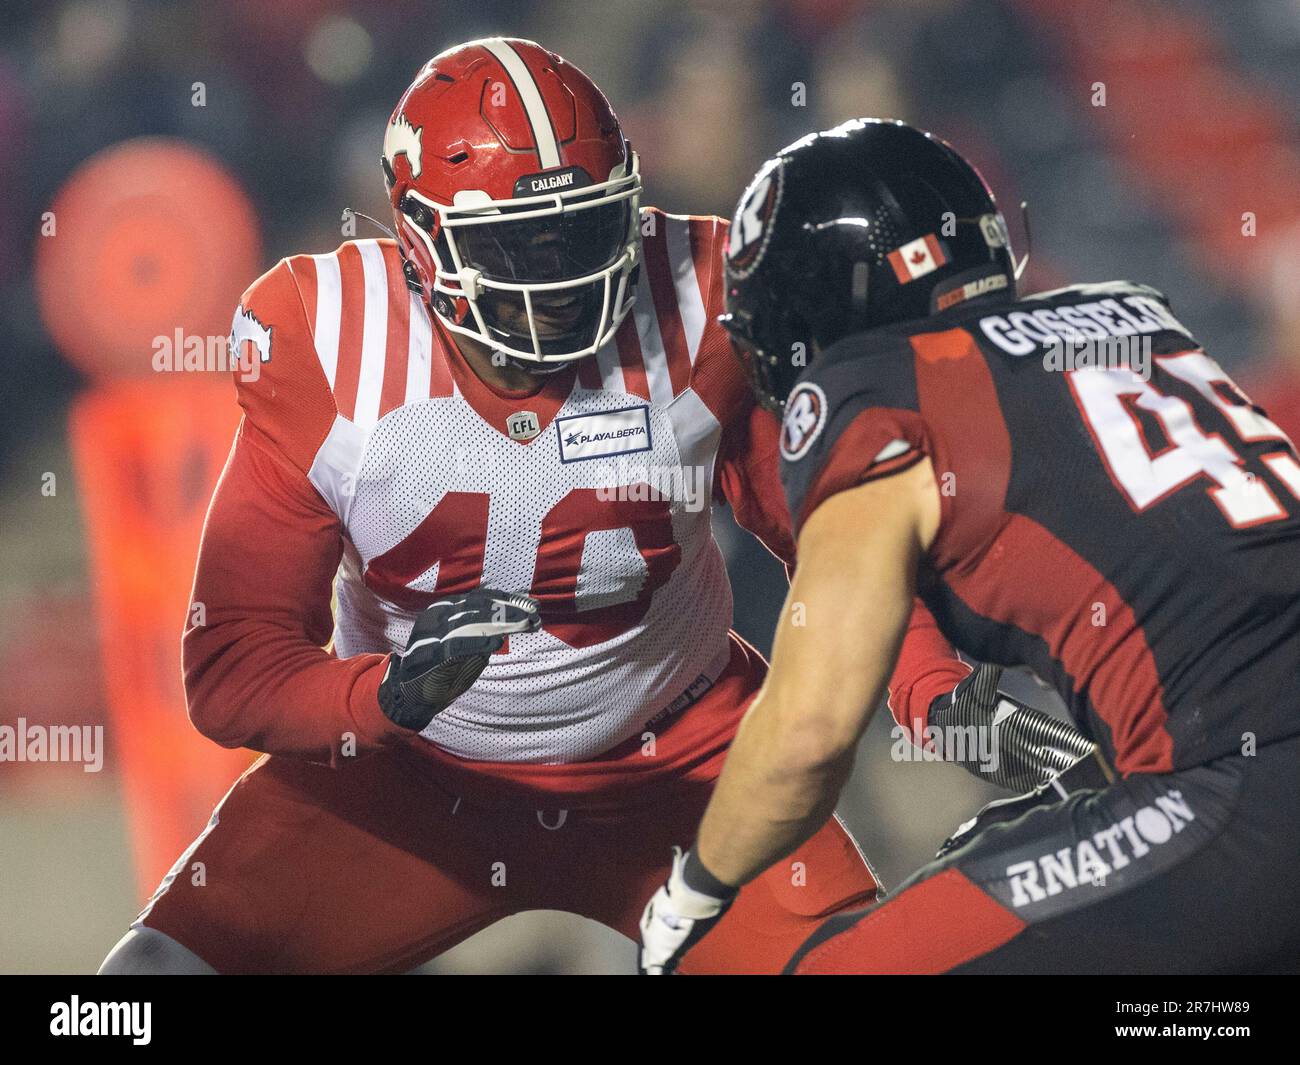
(601, 513)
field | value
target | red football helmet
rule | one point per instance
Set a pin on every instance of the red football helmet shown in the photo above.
(515, 196)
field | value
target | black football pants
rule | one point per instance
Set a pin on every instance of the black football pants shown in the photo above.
(1195, 871)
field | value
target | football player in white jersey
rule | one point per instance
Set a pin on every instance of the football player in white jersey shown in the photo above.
(496, 440)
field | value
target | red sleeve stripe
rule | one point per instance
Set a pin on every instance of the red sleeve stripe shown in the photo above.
(441, 381)
(303, 270)
(707, 239)
(668, 363)
(397, 343)
(652, 312)
(351, 324)
(675, 295)
(718, 378)
(628, 340)
(427, 373)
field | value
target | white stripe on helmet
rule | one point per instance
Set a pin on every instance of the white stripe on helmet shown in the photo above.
(548, 151)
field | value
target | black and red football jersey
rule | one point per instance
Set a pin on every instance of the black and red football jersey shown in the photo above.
(1116, 515)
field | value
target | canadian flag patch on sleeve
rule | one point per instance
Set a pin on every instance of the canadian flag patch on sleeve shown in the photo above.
(917, 258)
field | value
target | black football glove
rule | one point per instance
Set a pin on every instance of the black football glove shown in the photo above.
(1032, 747)
(450, 645)
(1046, 758)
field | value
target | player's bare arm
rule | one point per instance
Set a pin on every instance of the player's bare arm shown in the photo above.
(834, 651)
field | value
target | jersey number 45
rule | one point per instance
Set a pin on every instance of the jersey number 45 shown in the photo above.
(1115, 404)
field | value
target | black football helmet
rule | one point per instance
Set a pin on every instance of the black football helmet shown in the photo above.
(865, 224)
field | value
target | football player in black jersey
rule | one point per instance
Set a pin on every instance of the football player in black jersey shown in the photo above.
(1072, 485)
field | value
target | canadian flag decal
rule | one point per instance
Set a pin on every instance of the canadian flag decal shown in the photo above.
(917, 258)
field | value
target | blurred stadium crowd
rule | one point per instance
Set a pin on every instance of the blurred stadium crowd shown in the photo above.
(1155, 141)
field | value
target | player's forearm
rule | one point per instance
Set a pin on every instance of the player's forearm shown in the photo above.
(256, 686)
(778, 787)
(835, 647)
(927, 668)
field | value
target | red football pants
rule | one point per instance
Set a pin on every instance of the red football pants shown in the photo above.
(375, 867)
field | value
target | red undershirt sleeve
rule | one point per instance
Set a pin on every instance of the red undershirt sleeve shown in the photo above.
(256, 671)
(927, 667)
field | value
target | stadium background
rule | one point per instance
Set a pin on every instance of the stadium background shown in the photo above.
(1153, 141)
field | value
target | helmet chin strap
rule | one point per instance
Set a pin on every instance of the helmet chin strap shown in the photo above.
(537, 369)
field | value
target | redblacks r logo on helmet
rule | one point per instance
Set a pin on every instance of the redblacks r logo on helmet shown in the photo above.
(805, 417)
(752, 226)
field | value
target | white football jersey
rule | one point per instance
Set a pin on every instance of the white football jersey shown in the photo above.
(593, 495)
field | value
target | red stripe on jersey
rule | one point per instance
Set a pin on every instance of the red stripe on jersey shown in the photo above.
(933, 926)
(303, 268)
(956, 391)
(352, 291)
(1013, 571)
(589, 373)
(706, 249)
(1033, 576)
(392, 393)
(663, 291)
(629, 356)
(717, 376)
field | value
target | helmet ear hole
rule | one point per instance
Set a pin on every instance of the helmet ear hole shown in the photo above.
(390, 179)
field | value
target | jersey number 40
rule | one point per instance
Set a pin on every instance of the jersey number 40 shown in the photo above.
(454, 535)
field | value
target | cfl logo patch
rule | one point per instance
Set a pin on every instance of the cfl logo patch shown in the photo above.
(523, 425)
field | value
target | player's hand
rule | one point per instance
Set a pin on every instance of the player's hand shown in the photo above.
(1027, 747)
(449, 647)
(675, 919)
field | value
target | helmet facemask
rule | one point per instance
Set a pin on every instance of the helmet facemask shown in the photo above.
(541, 278)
